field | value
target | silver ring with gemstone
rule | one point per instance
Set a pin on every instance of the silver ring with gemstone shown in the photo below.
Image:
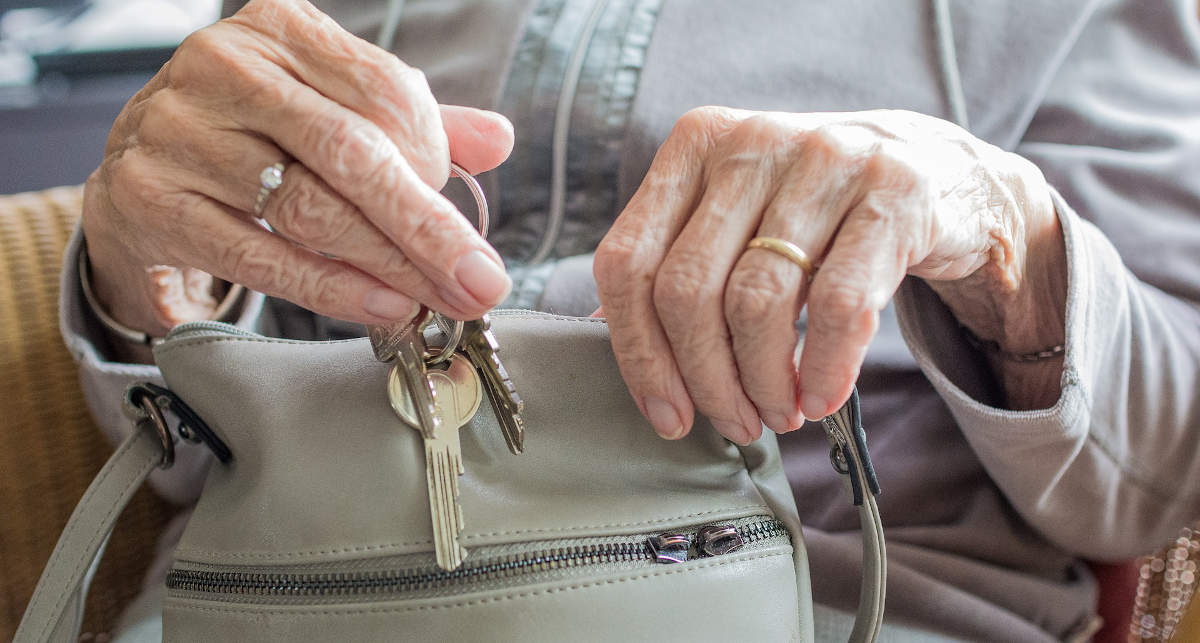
(269, 179)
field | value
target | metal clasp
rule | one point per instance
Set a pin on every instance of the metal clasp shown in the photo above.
(149, 401)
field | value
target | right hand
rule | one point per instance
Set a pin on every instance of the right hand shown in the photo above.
(171, 203)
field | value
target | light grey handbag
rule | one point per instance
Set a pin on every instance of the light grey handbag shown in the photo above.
(317, 527)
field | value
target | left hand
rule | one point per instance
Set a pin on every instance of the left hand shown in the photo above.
(698, 322)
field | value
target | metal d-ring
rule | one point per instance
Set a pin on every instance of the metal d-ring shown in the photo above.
(155, 415)
(454, 332)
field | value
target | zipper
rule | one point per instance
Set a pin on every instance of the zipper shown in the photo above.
(207, 328)
(263, 585)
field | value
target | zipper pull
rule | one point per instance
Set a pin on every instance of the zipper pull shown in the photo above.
(669, 547)
(717, 540)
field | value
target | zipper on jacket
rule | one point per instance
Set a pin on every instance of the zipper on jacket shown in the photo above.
(313, 584)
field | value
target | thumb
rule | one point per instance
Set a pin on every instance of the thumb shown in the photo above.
(479, 140)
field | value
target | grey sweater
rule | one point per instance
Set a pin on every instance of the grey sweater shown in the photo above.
(988, 512)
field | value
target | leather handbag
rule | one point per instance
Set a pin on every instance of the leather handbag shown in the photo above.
(315, 525)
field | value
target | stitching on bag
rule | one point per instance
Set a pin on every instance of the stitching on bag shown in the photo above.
(185, 343)
(516, 532)
(294, 342)
(549, 316)
(672, 570)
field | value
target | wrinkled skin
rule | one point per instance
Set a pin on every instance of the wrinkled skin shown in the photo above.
(281, 80)
(697, 322)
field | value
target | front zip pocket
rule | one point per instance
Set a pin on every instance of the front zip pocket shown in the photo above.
(416, 576)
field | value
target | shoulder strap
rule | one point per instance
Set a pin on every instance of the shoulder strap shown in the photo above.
(84, 536)
(82, 540)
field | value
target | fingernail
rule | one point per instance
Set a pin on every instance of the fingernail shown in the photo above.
(482, 277)
(813, 406)
(389, 304)
(776, 422)
(663, 416)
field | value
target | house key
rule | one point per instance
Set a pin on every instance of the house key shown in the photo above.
(481, 346)
(405, 343)
(459, 392)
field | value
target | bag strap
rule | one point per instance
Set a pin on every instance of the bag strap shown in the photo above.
(850, 458)
(83, 538)
(148, 447)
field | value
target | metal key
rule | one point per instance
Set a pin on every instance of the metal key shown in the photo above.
(386, 339)
(406, 344)
(459, 393)
(481, 346)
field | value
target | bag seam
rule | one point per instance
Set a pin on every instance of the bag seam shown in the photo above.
(201, 341)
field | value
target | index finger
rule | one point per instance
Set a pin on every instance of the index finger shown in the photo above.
(356, 74)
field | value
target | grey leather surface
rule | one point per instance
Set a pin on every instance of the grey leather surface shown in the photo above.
(316, 446)
(739, 598)
(323, 469)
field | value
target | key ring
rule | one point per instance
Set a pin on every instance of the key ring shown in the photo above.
(454, 331)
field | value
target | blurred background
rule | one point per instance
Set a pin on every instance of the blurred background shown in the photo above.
(66, 69)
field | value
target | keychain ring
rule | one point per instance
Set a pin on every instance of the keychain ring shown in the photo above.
(454, 332)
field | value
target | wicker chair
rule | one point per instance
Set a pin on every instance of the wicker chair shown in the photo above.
(49, 447)
(50, 450)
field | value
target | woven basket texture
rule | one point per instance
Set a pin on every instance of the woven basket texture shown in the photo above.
(49, 446)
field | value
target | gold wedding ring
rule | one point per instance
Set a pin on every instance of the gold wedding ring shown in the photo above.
(788, 250)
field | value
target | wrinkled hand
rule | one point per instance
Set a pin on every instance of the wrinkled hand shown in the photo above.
(699, 323)
(277, 81)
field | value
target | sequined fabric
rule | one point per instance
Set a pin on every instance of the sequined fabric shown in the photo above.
(1166, 582)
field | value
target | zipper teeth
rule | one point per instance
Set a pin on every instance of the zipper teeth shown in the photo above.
(345, 583)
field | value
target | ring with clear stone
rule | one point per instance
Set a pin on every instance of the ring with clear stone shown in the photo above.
(269, 179)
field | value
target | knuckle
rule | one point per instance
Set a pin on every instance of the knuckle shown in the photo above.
(398, 271)
(324, 292)
(430, 226)
(135, 184)
(309, 213)
(163, 118)
(875, 209)
(410, 80)
(758, 132)
(199, 44)
(263, 94)
(698, 119)
(203, 56)
(354, 149)
(838, 304)
(752, 296)
(246, 261)
(682, 288)
(617, 262)
(890, 163)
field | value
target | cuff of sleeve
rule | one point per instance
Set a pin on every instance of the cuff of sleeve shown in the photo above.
(938, 344)
(1053, 462)
(104, 380)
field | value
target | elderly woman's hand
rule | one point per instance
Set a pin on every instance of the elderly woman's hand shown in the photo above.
(279, 81)
(697, 319)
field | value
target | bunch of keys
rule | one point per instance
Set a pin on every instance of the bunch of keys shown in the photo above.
(438, 391)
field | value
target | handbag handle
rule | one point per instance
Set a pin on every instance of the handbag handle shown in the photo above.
(63, 585)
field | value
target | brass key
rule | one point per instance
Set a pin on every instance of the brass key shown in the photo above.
(406, 344)
(459, 394)
(482, 348)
